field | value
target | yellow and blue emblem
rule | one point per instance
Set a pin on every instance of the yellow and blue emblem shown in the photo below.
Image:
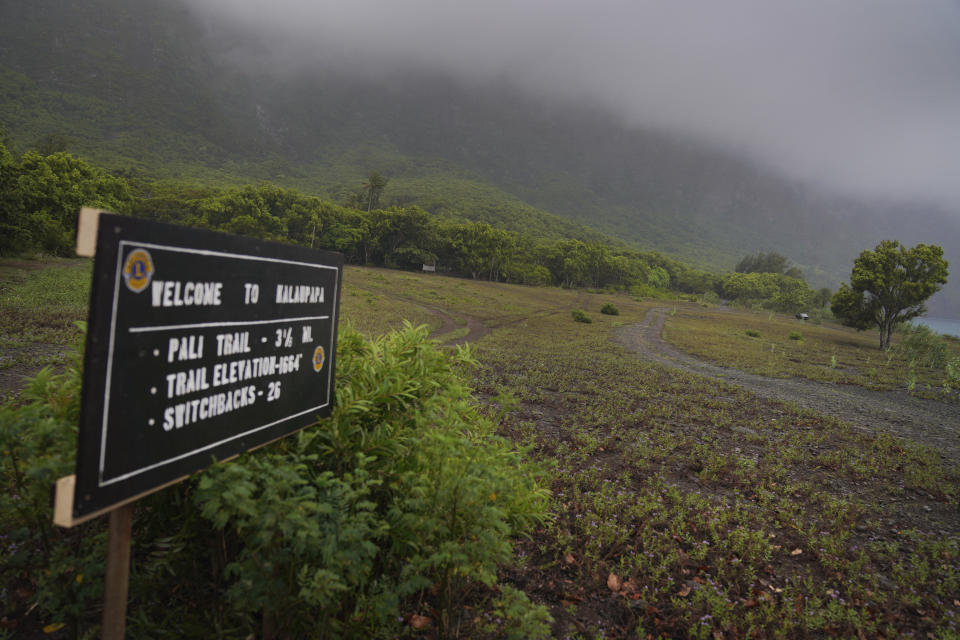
(138, 270)
(319, 355)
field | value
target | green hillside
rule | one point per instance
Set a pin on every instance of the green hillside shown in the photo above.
(151, 91)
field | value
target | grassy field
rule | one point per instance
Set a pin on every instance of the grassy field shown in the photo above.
(40, 302)
(780, 346)
(682, 507)
(685, 507)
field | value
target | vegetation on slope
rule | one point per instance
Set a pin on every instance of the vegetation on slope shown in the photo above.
(740, 516)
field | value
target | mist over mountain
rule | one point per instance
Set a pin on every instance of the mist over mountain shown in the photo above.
(218, 91)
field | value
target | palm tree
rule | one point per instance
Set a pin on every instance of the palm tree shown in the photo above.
(374, 187)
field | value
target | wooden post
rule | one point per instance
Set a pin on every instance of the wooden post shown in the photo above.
(117, 573)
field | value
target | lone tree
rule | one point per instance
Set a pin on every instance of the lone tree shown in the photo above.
(888, 286)
(374, 187)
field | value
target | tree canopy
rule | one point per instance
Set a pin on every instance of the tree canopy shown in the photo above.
(772, 290)
(768, 263)
(888, 286)
(40, 196)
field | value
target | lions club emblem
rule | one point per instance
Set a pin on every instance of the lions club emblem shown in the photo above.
(318, 357)
(138, 270)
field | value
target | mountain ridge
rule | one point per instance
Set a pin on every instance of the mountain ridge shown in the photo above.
(149, 89)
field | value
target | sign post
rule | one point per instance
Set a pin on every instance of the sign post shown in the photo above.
(200, 346)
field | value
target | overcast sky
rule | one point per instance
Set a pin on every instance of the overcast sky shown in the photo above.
(863, 95)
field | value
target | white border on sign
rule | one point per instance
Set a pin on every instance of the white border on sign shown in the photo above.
(113, 325)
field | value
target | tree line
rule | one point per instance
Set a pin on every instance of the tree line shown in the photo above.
(40, 195)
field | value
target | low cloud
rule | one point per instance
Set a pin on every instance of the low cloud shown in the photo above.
(860, 95)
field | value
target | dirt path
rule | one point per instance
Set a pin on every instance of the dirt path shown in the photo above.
(475, 328)
(934, 424)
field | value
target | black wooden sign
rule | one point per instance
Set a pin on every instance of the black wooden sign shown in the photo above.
(200, 345)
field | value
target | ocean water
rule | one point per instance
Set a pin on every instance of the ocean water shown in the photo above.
(940, 325)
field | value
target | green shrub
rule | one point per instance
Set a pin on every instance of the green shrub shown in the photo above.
(609, 309)
(403, 501)
(795, 335)
(952, 373)
(753, 333)
(580, 316)
(922, 346)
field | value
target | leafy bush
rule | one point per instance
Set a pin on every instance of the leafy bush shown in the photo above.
(753, 333)
(922, 346)
(580, 316)
(38, 441)
(403, 502)
(952, 372)
(610, 309)
(795, 335)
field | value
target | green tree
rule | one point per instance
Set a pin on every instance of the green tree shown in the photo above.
(12, 235)
(768, 263)
(477, 248)
(822, 297)
(373, 188)
(888, 286)
(794, 295)
(41, 195)
(658, 278)
(750, 286)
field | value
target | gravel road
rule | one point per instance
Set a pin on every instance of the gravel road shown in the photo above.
(929, 422)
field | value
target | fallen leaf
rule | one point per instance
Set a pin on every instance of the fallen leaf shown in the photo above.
(569, 558)
(419, 622)
(717, 635)
(613, 581)
(53, 627)
(750, 604)
(684, 591)
(796, 551)
(699, 580)
(630, 586)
